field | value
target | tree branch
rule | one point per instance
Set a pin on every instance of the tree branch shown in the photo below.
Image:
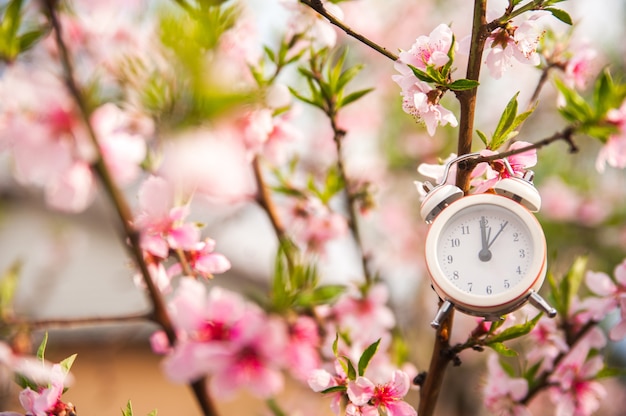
(319, 8)
(159, 313)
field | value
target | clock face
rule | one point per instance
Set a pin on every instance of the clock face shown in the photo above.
(485, 252)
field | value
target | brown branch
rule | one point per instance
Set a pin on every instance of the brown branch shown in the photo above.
(440, 358)
(159, 313)
(566, 135)
(353, 218)
(467, 99)
(75, 322)
(319, 8)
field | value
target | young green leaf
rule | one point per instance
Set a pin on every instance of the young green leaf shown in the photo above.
(129, 409)
(562, 15)
(571, 282)
(67, 363)
(350, 98)
(513, 332)
(334, 389)
(366, 357)
(463, 85)
(8, 285)
(502, 349)
(421, 75)
(483, 137)
(41, 351)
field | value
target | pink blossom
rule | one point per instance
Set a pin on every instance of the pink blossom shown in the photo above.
(315, 224)
(431, 50)
(575, 391)
(222, 335)
(320, 380)
(44, 401)
(203, 259)
(613, 153)
(372, 399)
(548, 343)
(315, 28)
(422, 101)
(503, 393)
(611, 294)
(73, 190)
(514, 42)
(160, 219)
(302, 352)
(122, 148)
(486, 175)
(579, 67)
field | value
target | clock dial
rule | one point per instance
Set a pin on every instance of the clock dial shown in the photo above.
(486, 253)
(485, 250)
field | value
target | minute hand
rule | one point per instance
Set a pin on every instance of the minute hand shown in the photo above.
(502, 226)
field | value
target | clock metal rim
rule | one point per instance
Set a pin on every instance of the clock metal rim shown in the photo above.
(486, 303)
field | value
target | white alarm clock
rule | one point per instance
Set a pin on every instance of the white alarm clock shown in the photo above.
(485, 253)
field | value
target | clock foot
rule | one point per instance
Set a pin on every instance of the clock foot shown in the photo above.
(541, 304)
(442, 313)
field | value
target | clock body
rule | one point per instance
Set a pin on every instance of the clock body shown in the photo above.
(486, 254)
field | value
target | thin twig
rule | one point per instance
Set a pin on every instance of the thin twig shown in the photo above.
(160, 314)
(353, 218)
(75, 322)
(319, 8)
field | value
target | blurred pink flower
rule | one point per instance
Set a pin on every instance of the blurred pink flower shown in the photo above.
(44, 401)
(613, 153)
(320, 380)
(315, 224)
(203, 259)
(161, 220)
(575, 390)
(580, 67)
(502, 393)
(226, 337)
(611, 294)
(302, 352)
(548, 343)
(486, 175)
(368, 398)
(514, 42)
(315, 28)
(123, 149)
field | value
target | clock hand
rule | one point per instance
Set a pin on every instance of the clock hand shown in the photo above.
(498, 233)
(484, 254)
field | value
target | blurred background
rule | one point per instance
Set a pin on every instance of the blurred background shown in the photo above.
(74, 266)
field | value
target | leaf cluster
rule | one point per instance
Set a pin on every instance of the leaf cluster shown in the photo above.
(327, 77)
(128, 411)
(590, 114)
(348, 367)
(16, 36)
(295, 284)
(508, 125)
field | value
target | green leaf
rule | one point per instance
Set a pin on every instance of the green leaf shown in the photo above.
(513, 332)
(41, 351)
(350, 371)
(67, 363)
(275, 408)
(366, 357)
(8, 286)
(607, 372)
(502, 349)
(562, 15)
(576, 108)
(270, 53)
(335, 344)
(571, 282)
(320, 295)
(347, 76)
(153, 413)
(505, 122)
(483, 137)
(421, 75)
(350, 98)
(129, 409)
(463, 85)
(334, 389)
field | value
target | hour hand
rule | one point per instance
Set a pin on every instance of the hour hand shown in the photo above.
(484, 254)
